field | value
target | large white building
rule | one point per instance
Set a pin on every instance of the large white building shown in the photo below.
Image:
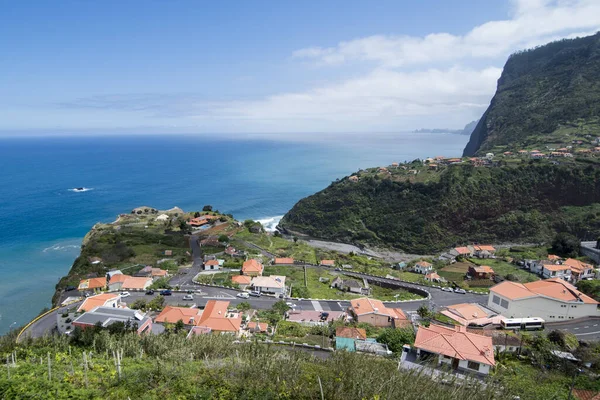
(551, 299)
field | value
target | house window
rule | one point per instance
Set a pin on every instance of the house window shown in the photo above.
(573, 306)
(473, 365)
(496, 300)
(504, 303)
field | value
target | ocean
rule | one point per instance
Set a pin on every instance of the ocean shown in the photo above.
(42, 219)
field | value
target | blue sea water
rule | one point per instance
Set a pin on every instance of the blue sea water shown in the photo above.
(42, 220)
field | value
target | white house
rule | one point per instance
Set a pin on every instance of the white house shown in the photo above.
(423, 267)
(556, 271)
(456, 347)
(551, 299)
(270, 284)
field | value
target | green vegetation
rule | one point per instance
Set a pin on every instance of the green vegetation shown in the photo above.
(547, 98)
(507, 270)
(396, 338)
(208, 367)
(486, 205)
(322, 290)
(544, 95)
(279, 246)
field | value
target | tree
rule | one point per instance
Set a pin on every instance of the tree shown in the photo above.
(396, 338)
(244, 306)
(196, 214)
(295, 239)
(179, 326)
(424, 312)
(565, 244)
(207, 208)
(280, 307)
(277, 234)
(160, 283)
(156, 303)
(139, 304)
(223, 239)
(183, 226)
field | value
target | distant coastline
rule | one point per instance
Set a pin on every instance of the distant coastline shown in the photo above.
(467, 130)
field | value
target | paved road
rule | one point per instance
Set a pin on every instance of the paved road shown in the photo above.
(585, 329)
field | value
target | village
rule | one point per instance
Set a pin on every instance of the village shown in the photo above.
(566, 147)
(454, 313)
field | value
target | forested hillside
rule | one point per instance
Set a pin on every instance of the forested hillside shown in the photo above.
(465, 204)
(540, 91)
(536, 171)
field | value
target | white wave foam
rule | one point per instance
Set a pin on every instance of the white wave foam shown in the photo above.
(270, 223)
(58, 247)
(82, 189)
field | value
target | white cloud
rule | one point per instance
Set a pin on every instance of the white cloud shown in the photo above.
(534, 22)
(430, 81)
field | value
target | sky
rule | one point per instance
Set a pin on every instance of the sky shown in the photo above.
(275, 67)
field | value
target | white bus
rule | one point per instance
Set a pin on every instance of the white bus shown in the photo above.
(523, 323)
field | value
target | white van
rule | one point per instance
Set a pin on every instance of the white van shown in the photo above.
(243, 295)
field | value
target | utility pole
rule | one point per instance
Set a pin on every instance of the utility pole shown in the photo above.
(573, 383)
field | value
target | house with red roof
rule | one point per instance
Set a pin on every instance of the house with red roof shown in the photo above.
(100, 300)
(283, 261)
(481, 272)
(242, 280)
(169, 314)
(92, 283)
(455, 347)
(252, 267)
(218, 319)
(374, 312)
(423, 267)
(211, 265)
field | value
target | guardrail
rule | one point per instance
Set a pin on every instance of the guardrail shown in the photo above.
(34, 321)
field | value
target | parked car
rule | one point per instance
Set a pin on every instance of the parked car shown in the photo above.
(166, 292)
(255, 294)
(243, 295)
(188, 297)
(190, 291)
(447, 289)
(70, 288)
(290, 304)
(125, 294)
(150, 291)
(459, 290)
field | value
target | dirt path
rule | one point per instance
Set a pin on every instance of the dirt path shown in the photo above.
(386, 255)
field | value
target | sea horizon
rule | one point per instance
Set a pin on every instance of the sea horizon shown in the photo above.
(44, 219)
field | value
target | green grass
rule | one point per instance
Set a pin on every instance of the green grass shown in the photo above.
(322, 290)
(279, 246)
(220, 278)
(503, 268)
(445, 319)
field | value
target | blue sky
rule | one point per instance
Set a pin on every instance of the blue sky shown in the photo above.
(263, 66)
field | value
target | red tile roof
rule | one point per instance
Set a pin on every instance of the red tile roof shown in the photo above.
(97, 301)
(351, 332)
(214, 317)
(241, 279)
(328, 262)
(456, 343)
(173, 314)
(555, 288)
(92, 283)
(252, 266)
(284, 260)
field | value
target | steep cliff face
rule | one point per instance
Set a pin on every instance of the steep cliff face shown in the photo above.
(547, 98)
(539, 91)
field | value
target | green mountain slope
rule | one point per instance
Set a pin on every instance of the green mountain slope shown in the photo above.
(460, 204)
(548, 99)
(541, 90)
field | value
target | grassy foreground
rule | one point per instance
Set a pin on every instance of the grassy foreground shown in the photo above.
(207, 367)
